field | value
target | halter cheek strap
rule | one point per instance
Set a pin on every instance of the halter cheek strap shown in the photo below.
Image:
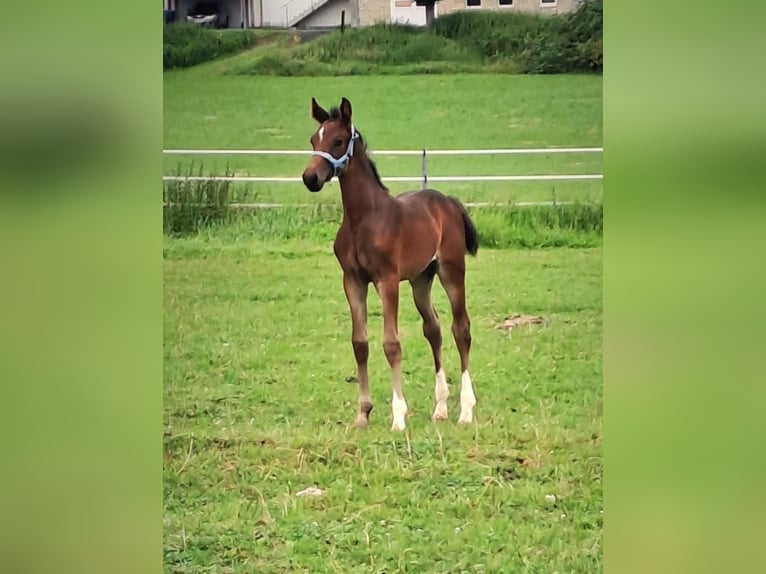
(338, 164)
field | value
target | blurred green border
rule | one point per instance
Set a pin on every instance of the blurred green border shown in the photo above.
(684, 283)
(81, 295)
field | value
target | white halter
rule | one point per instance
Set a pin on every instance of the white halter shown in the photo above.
(339, 163)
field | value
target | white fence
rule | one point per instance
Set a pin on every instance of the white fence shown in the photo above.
(424, 177)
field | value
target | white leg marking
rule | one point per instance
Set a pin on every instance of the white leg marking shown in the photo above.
(467, 399)
(321, 134)
(441, 391)
(399, 408)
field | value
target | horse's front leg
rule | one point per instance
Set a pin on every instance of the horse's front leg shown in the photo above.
(389, 296)
(356, 293)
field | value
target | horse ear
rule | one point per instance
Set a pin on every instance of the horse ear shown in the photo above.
(345, 110)
(318, 112)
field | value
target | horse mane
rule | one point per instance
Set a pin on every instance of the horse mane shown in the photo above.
(335, 115)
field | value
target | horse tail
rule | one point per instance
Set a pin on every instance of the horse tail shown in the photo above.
(471, 235)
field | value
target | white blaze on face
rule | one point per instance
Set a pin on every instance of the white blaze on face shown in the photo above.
(441, 392)
(321, 134)
(467, 399)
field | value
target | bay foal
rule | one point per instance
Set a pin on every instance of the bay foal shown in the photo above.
(384, 240)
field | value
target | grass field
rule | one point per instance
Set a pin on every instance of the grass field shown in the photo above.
(257, 408)
(206, 108)
(257, 345)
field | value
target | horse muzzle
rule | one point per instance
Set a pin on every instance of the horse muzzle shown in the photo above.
(312, 181)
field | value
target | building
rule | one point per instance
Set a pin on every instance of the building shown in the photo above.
(327, 13)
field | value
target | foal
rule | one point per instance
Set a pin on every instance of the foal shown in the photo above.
(384, 240)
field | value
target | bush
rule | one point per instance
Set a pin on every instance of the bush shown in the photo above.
(493, 34)
(586, 30)
(187, 45)
(189, 206)
(538, 44)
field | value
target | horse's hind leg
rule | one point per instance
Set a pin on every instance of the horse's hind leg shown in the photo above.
(356, 293)
(452, 277)
(421, 293)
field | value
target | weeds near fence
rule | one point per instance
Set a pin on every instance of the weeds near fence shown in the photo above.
(502, 226)
(189, 206)
(187, 45)
(558, 225)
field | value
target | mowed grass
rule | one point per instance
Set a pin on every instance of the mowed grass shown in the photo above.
(256, 357)
(206, 108)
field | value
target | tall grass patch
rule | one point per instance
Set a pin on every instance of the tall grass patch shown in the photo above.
(558, 225)
(378, 49)
(186, 45)
(392, 44)
(191, 205)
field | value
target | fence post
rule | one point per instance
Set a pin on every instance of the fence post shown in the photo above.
(342, 21)
(425, 170)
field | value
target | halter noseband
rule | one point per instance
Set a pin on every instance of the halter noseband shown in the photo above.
(338, 164)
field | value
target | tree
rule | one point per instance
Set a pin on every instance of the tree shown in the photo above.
(429, 4)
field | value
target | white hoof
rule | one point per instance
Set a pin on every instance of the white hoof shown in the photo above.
(466, 418)
(440, 413)
(467, 399)
(398, 425)
(399, 409)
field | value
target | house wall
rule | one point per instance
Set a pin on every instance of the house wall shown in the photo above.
(374, 12)
(407, 12)
(534, 6)
(329, 15)
(273, 13)
(358, 12)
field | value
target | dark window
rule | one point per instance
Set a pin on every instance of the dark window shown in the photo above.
(505, 2)
(473, 2)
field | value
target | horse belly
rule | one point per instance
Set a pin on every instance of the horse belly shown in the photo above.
(419, 248)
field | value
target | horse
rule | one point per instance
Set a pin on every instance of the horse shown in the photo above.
(384, 240)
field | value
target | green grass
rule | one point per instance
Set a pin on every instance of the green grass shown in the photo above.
(203, 108)
(256, 356)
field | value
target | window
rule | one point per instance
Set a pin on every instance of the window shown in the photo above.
(505, 2)
(472, 3)
(547, 3)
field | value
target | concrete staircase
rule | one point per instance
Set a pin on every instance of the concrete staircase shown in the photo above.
(297, 10)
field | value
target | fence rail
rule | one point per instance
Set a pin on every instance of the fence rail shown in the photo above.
(518, 151)
(248, 178)
(424, 153)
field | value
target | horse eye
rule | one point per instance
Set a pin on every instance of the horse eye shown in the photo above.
(337, 142)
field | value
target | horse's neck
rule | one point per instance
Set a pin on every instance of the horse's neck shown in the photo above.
(360, 190)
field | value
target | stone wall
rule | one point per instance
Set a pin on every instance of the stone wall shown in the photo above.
(374, 11)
